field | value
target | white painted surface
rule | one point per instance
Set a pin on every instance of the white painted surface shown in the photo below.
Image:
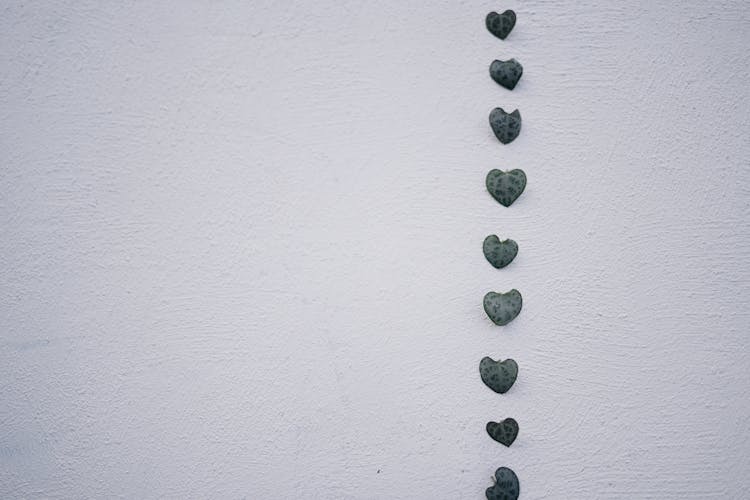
(241, 250)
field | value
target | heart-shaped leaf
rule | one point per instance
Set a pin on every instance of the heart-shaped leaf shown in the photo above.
(504, 432)
(506, 73)
(506, 187)
(502, 308)
(505, 126)
(500, 25)
(499, 253)
(506, 486)
(498, 375)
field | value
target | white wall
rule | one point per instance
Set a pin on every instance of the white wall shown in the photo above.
(241, 250)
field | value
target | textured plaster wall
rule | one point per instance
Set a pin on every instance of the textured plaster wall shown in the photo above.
(240, 250)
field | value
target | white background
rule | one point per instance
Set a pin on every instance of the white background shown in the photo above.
(241, 255)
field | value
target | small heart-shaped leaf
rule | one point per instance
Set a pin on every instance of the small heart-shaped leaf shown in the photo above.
(504, 432)
(506, 73)
(506, 187)
(502, 308)
(505, 126)
(498, 375)
(500, 25)
(499, 253)
(506, 486)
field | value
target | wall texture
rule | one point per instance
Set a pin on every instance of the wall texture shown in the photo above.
(240, 250)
